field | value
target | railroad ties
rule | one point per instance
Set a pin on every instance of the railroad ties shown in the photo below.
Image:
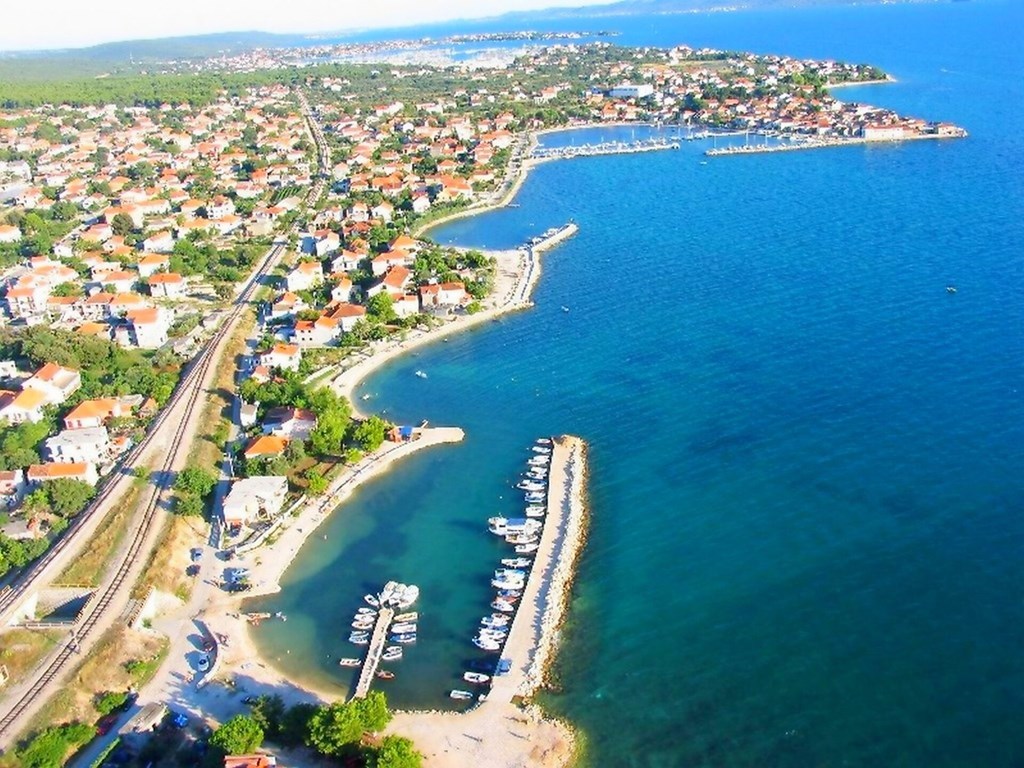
(376, 648)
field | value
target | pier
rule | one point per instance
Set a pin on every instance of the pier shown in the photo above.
(376, 648)
(605, 148)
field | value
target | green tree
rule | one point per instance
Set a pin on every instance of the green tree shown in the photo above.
(373, 711)
(238, 736)
(294, 728)
(316, 483)
(68, 497)
(269, 713)
(334, 728)
(382, 307)
(369, 434)
(188, 505)
(195, 481)
(50, 748)
(122, 224)
(106, 703)
(395, 752)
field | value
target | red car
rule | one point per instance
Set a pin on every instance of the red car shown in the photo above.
(105, 723)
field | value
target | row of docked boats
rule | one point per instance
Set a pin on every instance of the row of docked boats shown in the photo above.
(401, 630)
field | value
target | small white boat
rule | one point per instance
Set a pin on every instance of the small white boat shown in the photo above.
(407, 637)
(403, 628)
(366, 612)
(372, 600)
(525, 549)
(543, 441)
(421, 374)
(540, 460)
(530, 485)
(536, 508)
(493, 634)
(516, 562)
(532, 497)
(535, 512)
(350, 662)
(500, 604)
(508, 583)
(392, 653)
(363, 625)
(528, 537)
(494, 621)
(512, 573)
(359, 640)
(461, 695)
(476, 677)
(410, 616)
(540, 449)
(406, 595)
(486, 644)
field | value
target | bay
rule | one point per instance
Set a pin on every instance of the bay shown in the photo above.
(806, 489)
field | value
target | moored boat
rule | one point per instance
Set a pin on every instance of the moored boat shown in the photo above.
(516, 562)
(392, 653)
(403, 628)
(486, 644)
(461, 695)
(407, 637)
(362, 625)
(495, 620)
(372, 600)
(409, 595)
(500, 604)
(363, 611)
(350, 662)
(476, 677)
(410, 616)
(384, 674)
(525, 549)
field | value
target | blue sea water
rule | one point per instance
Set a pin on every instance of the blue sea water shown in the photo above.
(806, 543)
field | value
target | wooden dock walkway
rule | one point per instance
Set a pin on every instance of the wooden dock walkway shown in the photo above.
(376, 648)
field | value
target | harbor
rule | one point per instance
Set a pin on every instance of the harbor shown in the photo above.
(604, 148)
(808, 142)
(493, 730)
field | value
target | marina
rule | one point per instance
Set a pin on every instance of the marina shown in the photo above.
(386, 627)
(604, 148)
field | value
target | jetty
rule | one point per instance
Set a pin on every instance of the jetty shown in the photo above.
(373, 653)
(604, 148)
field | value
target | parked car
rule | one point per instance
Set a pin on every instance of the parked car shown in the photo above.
(204, 663)
(105, 723)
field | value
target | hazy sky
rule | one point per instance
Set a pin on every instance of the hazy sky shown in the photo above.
(73, 23)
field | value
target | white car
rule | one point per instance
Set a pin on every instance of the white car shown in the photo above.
(203, 663)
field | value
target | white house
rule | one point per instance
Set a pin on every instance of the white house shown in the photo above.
(284, 356)
(443, 294)
(253, 497)
(161, 242)
(305, 276)
(286, 421)
(55, 382)
(169, 285)
(71, 446)
(149, 326)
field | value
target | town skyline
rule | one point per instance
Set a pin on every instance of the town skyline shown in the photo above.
(73, 25)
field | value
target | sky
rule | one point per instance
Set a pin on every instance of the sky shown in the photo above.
(74, 23)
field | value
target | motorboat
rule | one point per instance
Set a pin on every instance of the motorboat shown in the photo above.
(543, 441)
(540, 460)
(535, 512)
(409, 595)
(512, 573)
(516, 562)
(522, 538)
(410, 616)
(366, 625)
(534, 497)
(530, 485)
(540, 449)
(461, 695)
(507, 583)
(510, 594)
(372, 600)
(392, 653)
(500, 604)
(389, 593)
(360, 640)
(366, 612)
(536, 508)
(493, 634)
(404, 638)
(525, 549)
(350, 662)
(476, 677)
(495, 621)
(421, 374)
(403, 628)
(486, 644)
(383, 674)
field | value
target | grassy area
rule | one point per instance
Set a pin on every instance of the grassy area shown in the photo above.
(169, 560)
(90, 565)
(22, 649)
(122, 658)
(208, 446)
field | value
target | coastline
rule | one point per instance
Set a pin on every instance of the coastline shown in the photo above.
(499, 732)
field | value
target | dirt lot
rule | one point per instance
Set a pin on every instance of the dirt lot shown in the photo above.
(21, 650)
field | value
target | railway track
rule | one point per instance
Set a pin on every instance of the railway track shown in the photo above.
(186, 394)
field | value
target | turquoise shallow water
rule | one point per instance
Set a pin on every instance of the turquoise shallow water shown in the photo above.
(806, 488)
